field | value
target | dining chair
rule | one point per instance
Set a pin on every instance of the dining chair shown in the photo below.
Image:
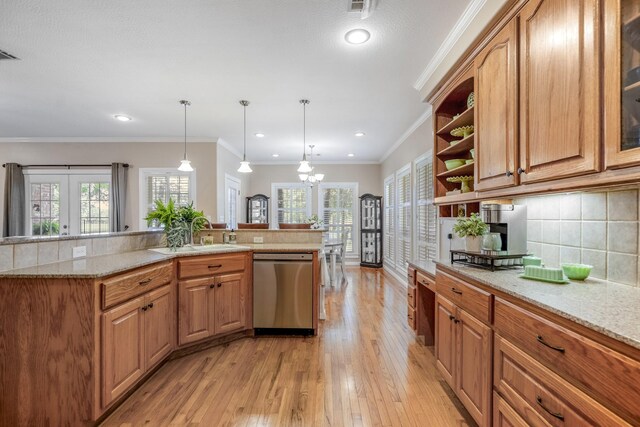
(343, 250)
(252, 226)
(217, 226)
(289, 226)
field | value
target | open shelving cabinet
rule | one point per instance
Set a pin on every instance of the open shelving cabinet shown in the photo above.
(454, 103)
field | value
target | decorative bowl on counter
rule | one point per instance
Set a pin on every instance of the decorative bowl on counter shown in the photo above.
(453, 163)
(462, 131)
(577, 271)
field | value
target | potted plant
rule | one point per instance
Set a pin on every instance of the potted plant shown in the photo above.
(176, 222)
(471, 229)
(316, 223)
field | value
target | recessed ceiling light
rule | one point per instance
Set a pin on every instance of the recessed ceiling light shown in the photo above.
(359, 134)
(122, 118)
(259, 135)
(275, 155)
(357, 36)
(350, 154)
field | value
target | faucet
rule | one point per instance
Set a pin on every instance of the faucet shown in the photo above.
(200, 218)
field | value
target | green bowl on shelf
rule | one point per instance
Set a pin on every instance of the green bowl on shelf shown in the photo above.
(473, 153)
(577, 271)
(453, 163)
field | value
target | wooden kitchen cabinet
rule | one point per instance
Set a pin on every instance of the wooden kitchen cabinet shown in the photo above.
(621, 83)
(123, 348)
(496, 109)
(196, 310)
(136, 336)
(505, 416)
(463, 357)
(559, 89)
(214, 304)
(230, 303)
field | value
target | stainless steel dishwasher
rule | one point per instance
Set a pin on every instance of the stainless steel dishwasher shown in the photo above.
(283, 293)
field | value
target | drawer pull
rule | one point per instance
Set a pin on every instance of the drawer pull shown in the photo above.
(451, 317)
(553, 414)
(144, 308)
(144, 282)
(211, 286)
(150, 305)
(455, 291)
(214, 267)
(553, 347)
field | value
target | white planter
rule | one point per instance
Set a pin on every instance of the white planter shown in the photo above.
(473, 243)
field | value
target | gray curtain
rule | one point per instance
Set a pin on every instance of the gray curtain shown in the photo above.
(118, 196)
(14, 201)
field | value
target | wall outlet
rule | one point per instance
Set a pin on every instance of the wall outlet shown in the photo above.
(79, 251)
(258, 240)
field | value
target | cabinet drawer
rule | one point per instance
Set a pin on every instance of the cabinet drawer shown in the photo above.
(537, 393)
(209, 265)
(471, 299)
(425, 280)
(411, 276)
(411, 296)
(411, 318)
(123, 287)
(610, 377)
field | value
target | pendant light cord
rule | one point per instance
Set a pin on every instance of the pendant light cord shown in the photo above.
(185, 131)
(244, 152)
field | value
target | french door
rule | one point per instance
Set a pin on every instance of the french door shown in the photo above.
(66, 204)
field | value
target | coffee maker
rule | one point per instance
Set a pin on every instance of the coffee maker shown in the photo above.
(510, 221)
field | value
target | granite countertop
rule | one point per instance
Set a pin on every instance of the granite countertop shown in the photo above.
(609, 308)
(428, 267)
(106, 265)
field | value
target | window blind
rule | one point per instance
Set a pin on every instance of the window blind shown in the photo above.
(426, 221)
(403, 229)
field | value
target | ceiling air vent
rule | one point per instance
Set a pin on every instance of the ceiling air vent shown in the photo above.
(5, 55)
(356, 5)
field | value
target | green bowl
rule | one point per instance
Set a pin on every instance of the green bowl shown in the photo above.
(473, 153)
(577, 271)
(453, 163)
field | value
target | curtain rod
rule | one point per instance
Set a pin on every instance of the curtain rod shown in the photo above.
(126, 165)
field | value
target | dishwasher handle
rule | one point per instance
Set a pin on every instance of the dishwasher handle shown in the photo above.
(283, 256)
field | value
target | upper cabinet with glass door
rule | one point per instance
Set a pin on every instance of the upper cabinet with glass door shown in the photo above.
(622, 83)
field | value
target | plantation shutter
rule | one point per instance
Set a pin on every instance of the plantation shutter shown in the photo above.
(403, 236)
(389, 220)
(426, 221)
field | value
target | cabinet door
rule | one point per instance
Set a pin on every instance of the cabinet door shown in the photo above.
(196, 309)
(496, 109)
(230, 303)
(159, 321)
(621, 83)
(559, 84)
(445, 338)
(122, 348)
(473, 366)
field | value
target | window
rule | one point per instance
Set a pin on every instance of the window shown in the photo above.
(337, 208)
(164, 185)
(403, 209)
(426, 221)
(292, 203)
(94, 207)
(389, 220)
(45, 208)
(70, 203)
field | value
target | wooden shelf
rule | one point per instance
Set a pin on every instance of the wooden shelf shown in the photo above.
(631, 31)
(464, 145)
(458, 198)
(462, 170)
(463, 119)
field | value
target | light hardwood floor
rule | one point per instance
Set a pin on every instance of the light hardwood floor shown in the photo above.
(363, 369)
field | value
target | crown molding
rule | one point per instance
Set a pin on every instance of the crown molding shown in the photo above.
(407, 134)
(221, 142)
(113, 140)
(329, 163)
(454, 35)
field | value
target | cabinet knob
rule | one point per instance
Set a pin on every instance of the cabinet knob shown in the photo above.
(521, 171)
(509, 173)
(211, 286)
(219, 284)
(150, 305)
(144, 308)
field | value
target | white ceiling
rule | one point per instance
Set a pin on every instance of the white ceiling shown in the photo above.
(83, 61)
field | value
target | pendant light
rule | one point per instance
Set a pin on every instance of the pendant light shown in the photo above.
(311, 177)
(185, 165)
(304, 164)
(244, 164)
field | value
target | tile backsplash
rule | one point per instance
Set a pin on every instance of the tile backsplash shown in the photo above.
(600, 229)
(31, 253)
